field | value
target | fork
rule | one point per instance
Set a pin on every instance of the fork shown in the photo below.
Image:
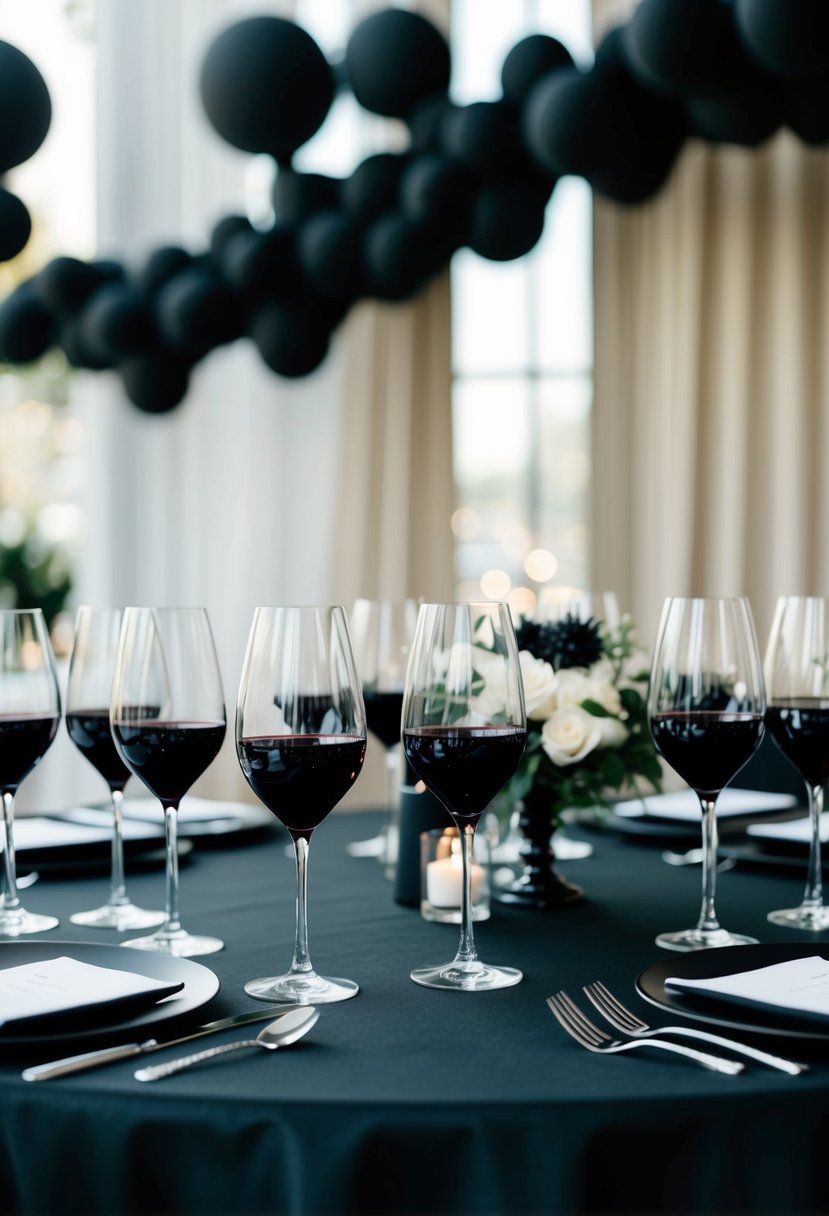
(623, 1019)
(589, 1036)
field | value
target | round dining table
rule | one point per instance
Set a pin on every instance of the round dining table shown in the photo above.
(410, 1100)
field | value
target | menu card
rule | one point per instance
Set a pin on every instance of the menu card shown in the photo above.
(799, 987)
(63, 985)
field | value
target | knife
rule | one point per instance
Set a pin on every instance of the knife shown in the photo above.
(108, 1055)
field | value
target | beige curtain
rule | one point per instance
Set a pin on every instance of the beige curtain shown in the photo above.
(711, 413)
(396, 495)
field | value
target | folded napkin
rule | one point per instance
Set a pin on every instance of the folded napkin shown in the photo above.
(798, 988)
(62, 986)
(797, 831)
(684, 804)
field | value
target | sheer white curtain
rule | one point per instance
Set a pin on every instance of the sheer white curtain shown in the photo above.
(711, 415)
(229, 500)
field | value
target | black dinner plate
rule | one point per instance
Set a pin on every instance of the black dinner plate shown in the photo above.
(729, 960)
(200, 986)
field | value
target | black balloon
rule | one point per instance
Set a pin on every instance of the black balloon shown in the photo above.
(528, 61)
(27, 327)
(65, 284)
(258, 263)
(789, 38)
(437, 192)
(483, 136)
(195, 311)
(224, 231)
(15, 225)
(327, 249)
(681, 47)
(162, 265)
(372, 187)
(741, 118)
(507, 221)
(24, 105)
(291, 336)
(398, 257)
(116, 324)
(394, 59)
(426, 121)
(298, 195)
(266, 86)
(156, 382)
(806, 109)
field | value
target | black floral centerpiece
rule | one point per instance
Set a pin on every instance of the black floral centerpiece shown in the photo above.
(585, 687)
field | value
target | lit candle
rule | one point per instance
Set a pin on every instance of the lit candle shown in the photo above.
(444, 879)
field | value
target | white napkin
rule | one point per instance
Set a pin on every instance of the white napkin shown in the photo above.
(799, 987)
(797, 830)
(61, 985)
(40, 832)
(684, 804)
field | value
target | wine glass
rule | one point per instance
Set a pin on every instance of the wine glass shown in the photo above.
(705, 708)
(29, 718)
(91, 668)
(464, 732)
(797, 718)
(381, 635)
(167, 716)
(301, 741)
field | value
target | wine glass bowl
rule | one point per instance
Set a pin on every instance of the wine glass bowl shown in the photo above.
(706, 711)
(381, 636)
(797, 718)
(464, 732)
(167, 717)
(91, 671)
(300, 741)
(29, 718)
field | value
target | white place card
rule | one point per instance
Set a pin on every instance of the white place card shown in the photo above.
(684, 805)
(58, 985)
(799, 986)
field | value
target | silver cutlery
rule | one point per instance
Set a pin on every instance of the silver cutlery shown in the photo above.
(28, 880)
(579, 1027)
(109, 1055)
(623, 1019)
(285, 1030)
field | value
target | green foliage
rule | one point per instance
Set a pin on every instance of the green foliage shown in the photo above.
(34, 576)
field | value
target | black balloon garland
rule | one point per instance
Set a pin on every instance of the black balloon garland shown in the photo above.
(479, 175)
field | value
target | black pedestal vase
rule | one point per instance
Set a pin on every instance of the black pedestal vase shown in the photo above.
(538, 886)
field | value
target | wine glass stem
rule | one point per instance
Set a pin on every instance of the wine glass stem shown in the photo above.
(11, 900)
(117, 889)
(172, 924)
(813, 896)
(466, 948)
(708, 917)
(392, 759)
(302, 962)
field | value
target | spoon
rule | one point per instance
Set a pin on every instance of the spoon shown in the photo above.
(286, 1029)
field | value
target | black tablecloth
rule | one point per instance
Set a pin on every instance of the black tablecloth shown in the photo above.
(407, 1100)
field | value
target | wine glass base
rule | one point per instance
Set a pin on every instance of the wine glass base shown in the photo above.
(180, 944)
(121, 917)
(702, 939)
(810, 919)
(17, 922)
(310, 989)
(467, 977)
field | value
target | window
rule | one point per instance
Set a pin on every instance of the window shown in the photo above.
(522, 353)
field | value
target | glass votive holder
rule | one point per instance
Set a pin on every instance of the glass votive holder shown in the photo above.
(441, 876)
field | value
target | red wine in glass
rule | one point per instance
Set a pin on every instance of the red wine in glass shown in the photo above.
(706, 707)
(168, 721)
(797, 717)
(300, 741)
(89, 731)
(464, 732)
(29, 718)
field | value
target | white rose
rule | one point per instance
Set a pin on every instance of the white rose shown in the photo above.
(539, 686)
(569, 735)
(614, 733)
(605, 694)
(572, 687)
